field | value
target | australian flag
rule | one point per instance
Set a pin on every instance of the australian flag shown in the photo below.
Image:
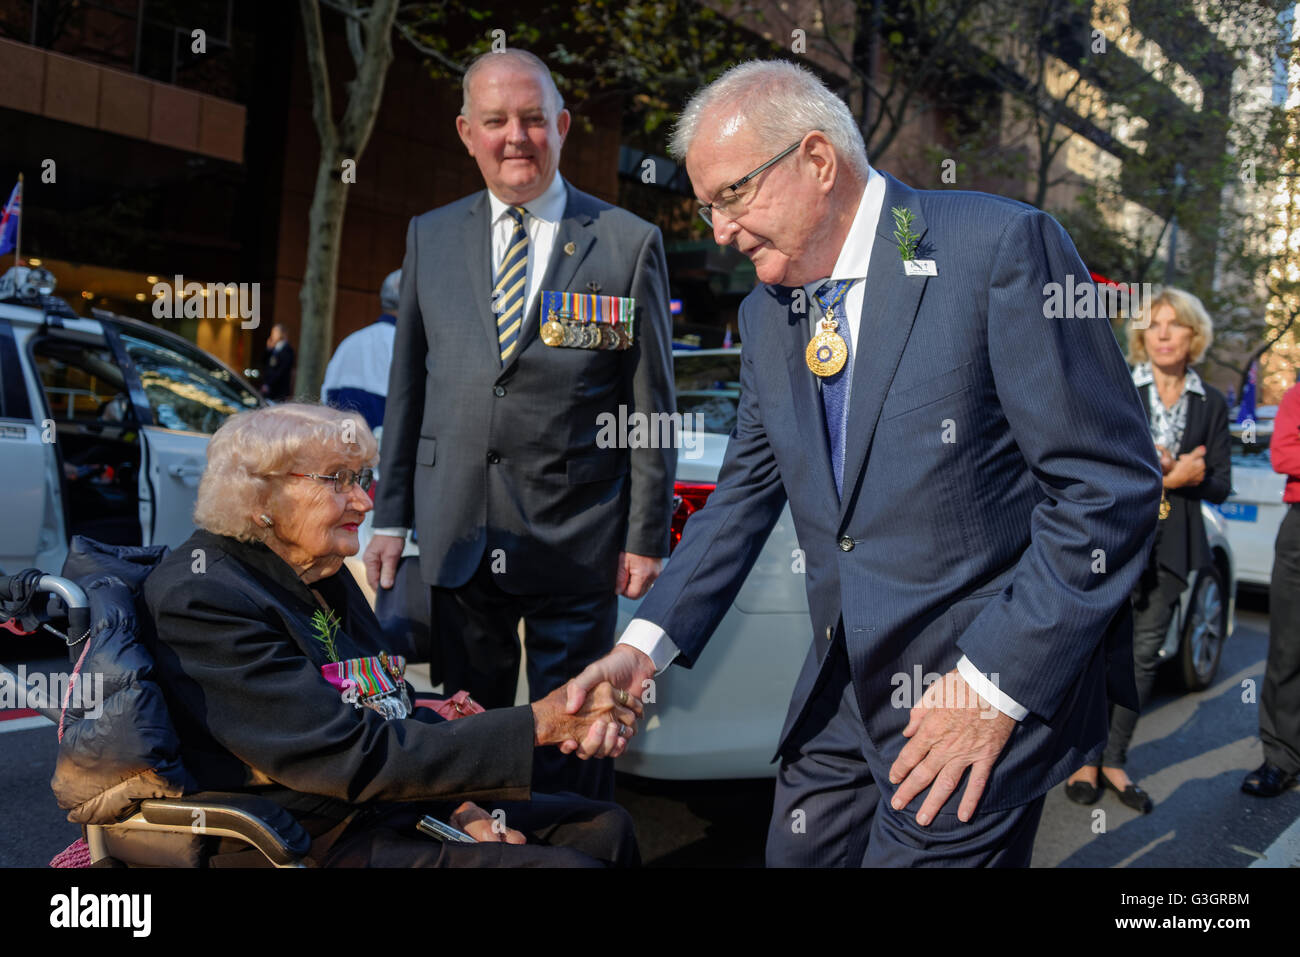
(1247, 410)
(9, 220)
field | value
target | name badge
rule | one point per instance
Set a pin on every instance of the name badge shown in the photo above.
(920, 267)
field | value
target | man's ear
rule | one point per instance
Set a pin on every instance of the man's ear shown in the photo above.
(822, 155)
(562, 124)
(462, 128)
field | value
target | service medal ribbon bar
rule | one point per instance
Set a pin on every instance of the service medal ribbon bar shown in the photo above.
(573, 320)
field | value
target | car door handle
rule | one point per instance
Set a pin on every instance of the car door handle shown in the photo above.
(184, 471)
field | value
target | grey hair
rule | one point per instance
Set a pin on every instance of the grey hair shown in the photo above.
(390, 293)
(780, 100)
(521, 57)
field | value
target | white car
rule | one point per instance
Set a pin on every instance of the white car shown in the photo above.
(1255, 509)
(721, 718)
(104, 425)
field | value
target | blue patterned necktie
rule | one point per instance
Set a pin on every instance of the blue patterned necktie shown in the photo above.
(510, 286)
(835, 388)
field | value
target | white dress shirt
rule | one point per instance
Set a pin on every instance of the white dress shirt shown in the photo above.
(542, 220)
(852, 263)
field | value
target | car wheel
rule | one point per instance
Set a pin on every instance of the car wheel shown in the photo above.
(1204, 634)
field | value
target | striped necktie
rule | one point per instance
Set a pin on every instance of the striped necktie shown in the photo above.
(835, 389)
(511, 284)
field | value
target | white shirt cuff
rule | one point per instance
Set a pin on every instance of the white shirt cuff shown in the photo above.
(987, 690)
(650, 639)
(395, 531)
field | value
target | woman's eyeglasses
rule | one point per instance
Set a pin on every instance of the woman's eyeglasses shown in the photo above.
(344, 479)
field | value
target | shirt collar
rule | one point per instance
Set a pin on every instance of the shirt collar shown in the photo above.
(549, 207)
(1142, 375)
(855, 254)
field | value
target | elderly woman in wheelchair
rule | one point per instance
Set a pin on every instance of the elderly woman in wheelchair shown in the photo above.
(280, 687)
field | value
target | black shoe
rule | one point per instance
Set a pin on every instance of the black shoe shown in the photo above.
(1132, 796)
(1081, 792)
(1267, 780)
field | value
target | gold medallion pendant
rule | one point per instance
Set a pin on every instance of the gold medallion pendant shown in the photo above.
(552, 331)
(826, 352)
(1165, 506)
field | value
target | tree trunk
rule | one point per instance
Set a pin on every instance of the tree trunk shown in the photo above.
(338, 142)
(320, 280)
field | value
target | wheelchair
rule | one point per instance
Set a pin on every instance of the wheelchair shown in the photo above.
(128, 794)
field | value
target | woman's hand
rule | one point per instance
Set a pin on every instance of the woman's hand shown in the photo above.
(482, 826)
(1188, 470)
(1166, 459)
(604, 722)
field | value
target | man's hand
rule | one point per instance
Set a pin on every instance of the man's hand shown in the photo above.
(382, 558)
(636, 573)
(603, 722)
(482, 826)
(626, 668)
(952, 729)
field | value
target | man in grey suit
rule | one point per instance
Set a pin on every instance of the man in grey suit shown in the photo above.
(493, 437)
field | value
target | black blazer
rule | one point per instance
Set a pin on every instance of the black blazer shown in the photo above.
(241, 674)
(1181, 543)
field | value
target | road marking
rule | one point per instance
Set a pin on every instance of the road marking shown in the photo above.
(24, 724)
(1138, 853)
(1284, 852)
(20, 719)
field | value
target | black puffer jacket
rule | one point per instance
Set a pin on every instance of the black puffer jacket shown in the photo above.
(111, 759)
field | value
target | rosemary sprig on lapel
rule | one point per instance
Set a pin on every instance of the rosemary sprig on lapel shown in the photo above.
(903, 234)
(325, 628)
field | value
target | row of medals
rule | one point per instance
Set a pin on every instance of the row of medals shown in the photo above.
(584, 335)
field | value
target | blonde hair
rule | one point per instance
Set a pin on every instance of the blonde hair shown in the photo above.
(252, 447)
(1188, 311)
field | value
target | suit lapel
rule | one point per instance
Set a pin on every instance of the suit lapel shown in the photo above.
(807, 399)
(575, 233)
(889, 309)
(478, 261)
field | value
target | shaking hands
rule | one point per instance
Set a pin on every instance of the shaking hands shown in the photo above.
(595, 722)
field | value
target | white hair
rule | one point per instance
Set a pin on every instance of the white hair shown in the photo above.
(522, 58)
(781, 101)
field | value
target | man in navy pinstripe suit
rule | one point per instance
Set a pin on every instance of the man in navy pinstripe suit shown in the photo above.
(974, 489)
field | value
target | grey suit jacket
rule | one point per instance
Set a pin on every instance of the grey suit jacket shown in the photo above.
(505, 461)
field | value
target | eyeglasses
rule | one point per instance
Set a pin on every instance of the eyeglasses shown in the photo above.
(344, 479)
(731, 205)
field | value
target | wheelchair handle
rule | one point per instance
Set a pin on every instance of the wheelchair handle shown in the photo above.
(20, 587)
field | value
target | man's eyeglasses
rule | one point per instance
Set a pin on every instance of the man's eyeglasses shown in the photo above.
(731, 204)
(344, 479)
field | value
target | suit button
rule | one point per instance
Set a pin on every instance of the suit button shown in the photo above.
(499, 391)
(830, 632)
(493, 457)
(846, 544)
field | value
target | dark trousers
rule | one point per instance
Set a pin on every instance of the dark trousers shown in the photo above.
(403, 613)
(478, 626)
(1279, 700)
(832, 801)
(563, 830)
(1154, 602)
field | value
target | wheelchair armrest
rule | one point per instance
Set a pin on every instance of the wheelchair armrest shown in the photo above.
(256, 820)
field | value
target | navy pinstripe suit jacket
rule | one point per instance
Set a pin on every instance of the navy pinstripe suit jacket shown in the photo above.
(1000, 488)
